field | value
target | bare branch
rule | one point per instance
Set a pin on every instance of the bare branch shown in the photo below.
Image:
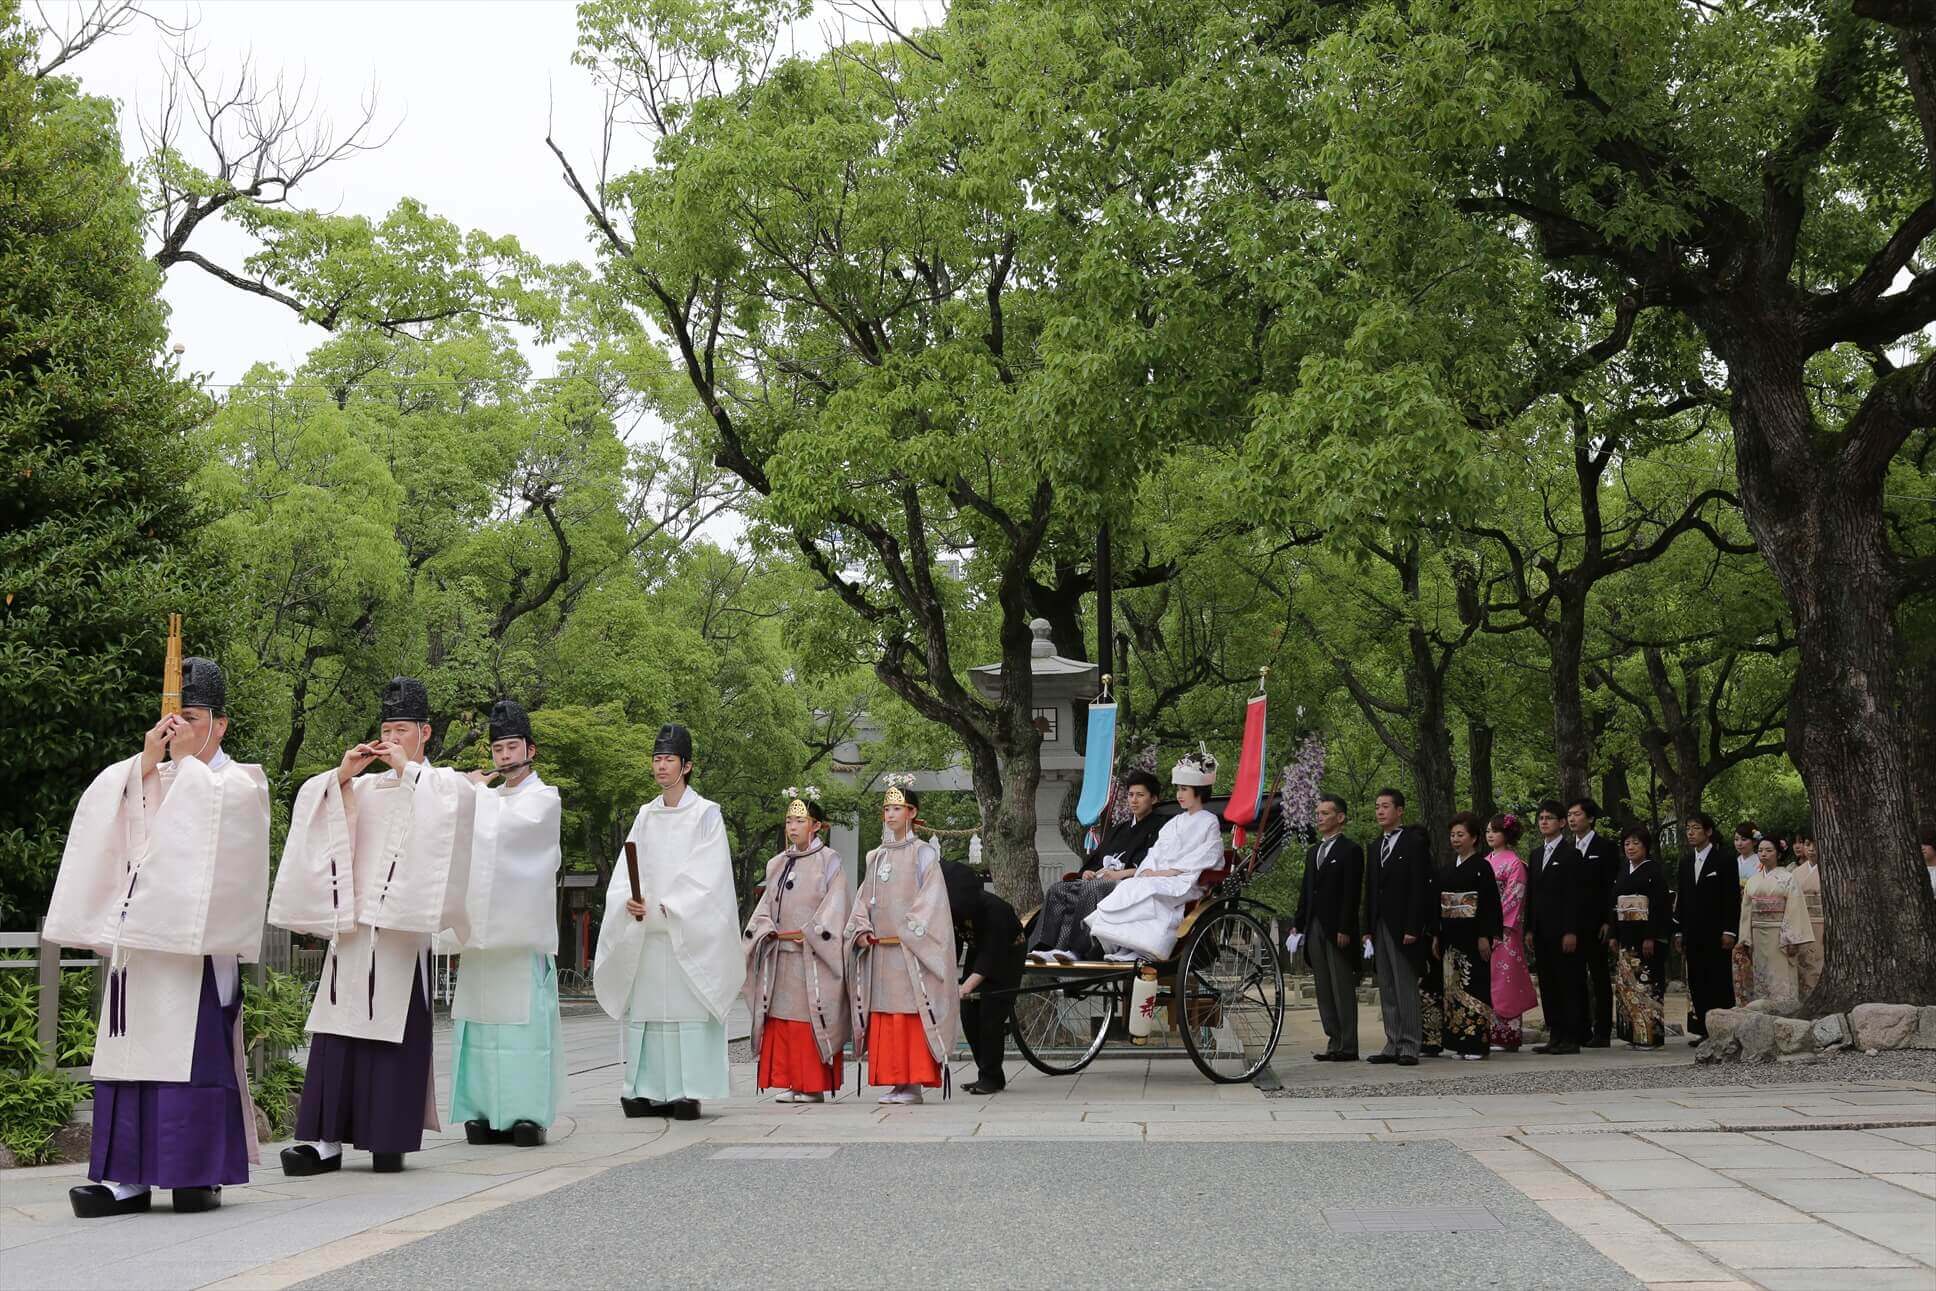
(84, 26)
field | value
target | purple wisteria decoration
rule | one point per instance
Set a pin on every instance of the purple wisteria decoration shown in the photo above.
(1297, 791)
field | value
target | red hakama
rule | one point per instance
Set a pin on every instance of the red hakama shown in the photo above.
(897, 1052)
(790, 1059)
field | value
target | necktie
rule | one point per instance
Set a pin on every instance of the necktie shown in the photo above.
(1324, 852)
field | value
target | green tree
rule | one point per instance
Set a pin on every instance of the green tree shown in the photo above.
(94, 429)
(926, 294)
(1759, 175)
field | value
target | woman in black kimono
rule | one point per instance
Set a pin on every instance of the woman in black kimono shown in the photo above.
(1470, 919)
(1643, 927)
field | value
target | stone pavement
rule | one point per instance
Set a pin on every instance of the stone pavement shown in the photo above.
(1669, 1187)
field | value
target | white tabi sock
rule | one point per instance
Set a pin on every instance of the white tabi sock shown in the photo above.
(123, 1191)
(329, 1151)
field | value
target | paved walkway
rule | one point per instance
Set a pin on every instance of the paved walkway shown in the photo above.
(1665, 1187)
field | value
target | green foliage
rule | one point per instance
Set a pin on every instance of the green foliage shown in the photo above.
(80, 1017)
(276, 1092)
(274, 1014)
(20, 1047)
(34, 1106)
(93, 425)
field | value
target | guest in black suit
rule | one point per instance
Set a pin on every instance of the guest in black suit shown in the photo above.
(1328, 929)
(1603, 867)
(1707, 915)
(1563, 916)
(1401, 914)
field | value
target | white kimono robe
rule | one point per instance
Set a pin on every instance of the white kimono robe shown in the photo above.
(1142, 914)
(511, 901)
(682, 962)
(159, 872)
(379, 870)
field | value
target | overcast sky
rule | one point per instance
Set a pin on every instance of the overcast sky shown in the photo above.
(466, 86)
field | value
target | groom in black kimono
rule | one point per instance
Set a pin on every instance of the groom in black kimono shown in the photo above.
(1064, 906)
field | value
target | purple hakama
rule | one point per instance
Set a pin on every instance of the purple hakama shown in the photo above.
(178, 1134)
(369, 1094)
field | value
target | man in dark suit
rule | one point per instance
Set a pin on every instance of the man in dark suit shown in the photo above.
(991, 937)
(1604, 865)
(1707, 914)
(1400, 914)
(1327, 928)
(1562, 917)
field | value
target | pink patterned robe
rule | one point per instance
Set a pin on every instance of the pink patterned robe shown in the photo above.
(1512, 982)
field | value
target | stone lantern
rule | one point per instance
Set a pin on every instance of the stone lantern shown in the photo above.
(1063, 688)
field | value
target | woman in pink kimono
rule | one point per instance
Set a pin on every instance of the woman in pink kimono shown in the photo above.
(900, 940)
(796, 989)
(1512, 981)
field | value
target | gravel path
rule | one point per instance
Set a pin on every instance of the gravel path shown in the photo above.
(1907, 1064)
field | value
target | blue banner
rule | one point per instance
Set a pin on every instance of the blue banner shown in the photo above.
(1098, 761)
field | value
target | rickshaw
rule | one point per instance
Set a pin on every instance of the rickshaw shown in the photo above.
(1222, 990)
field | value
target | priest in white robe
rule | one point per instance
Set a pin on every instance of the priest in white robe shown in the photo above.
(507, 1042)
(1140, 918)
(669, 961)
(379, 864)
(165, 875)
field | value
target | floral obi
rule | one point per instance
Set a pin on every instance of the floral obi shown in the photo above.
(1458, 905)
(1769, 911)
(1632, 908)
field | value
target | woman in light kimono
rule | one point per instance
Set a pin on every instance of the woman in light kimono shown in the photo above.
(796, 989)
(1808, 960)
(901, 936)
(1643, 927)
(1512, 981)
(1774, 927)
(1140, 918)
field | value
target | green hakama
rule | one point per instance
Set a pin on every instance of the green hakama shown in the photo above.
(666, 1061)
(504, 1072)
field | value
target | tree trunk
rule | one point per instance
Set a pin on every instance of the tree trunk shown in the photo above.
(1005, 785)
(1566, 642)
(1478, 753)
(1616, 794)
(1919, 721)
(1433, 770)
(1816, 509)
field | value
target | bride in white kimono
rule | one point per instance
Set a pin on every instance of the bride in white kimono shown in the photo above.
(1140, 918)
